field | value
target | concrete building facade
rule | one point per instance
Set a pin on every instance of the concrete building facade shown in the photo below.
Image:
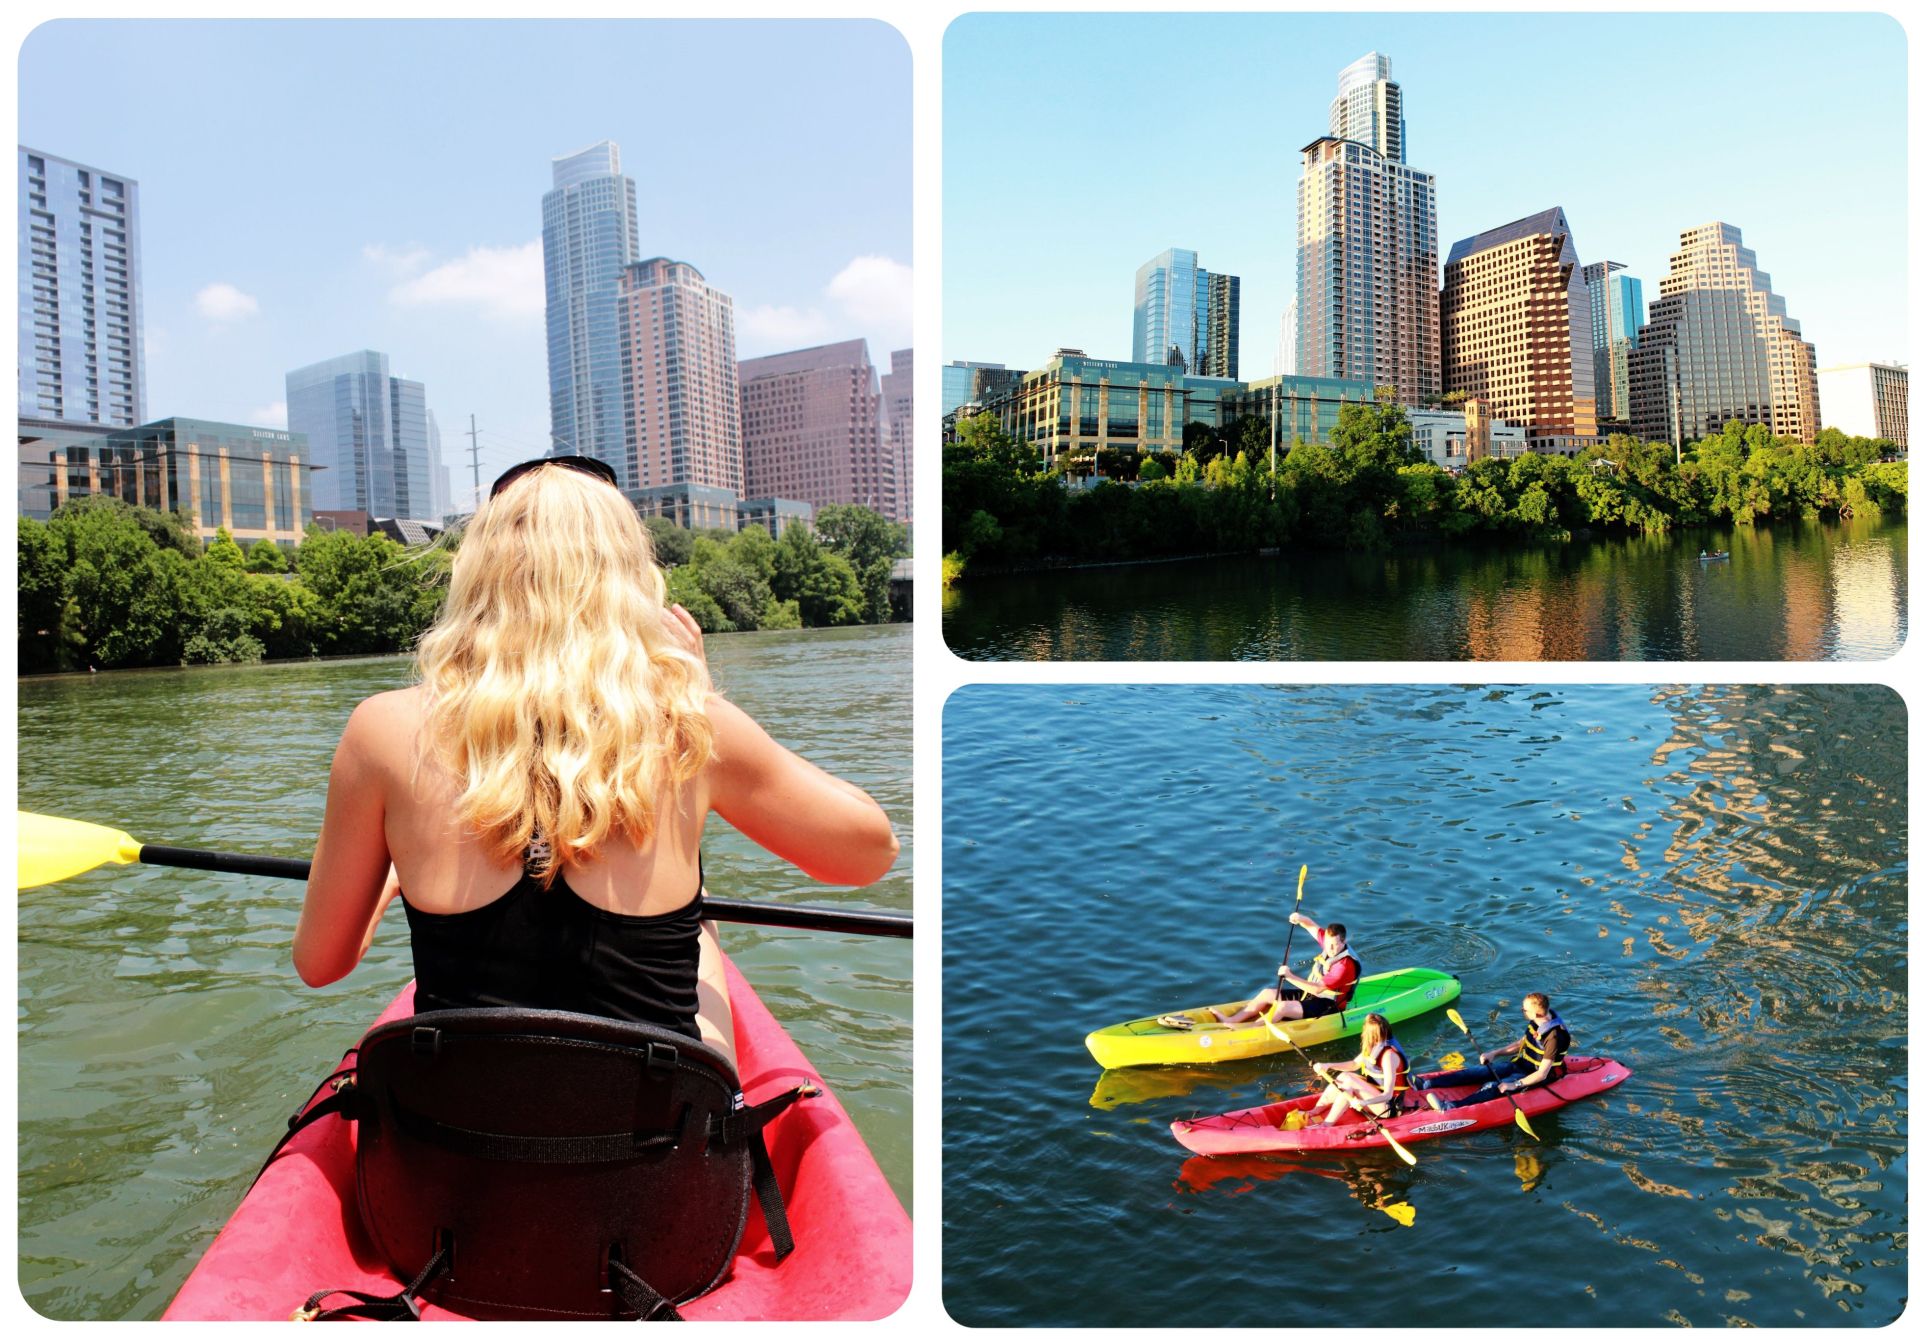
(1866, 400)
(679, 379)
(1367, 271)
(82, 348)
(810, 428)
(1718, 345)
(1516, 328)
(896, 426)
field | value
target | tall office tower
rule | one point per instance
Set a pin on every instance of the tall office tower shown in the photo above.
(366, 432)
(1516, 328)
(82, 349)
(1289, 340)
(679, 381)
(1367, 262)
(1718, 345)
(1170, 310)
(1866, 400)
(1617, 318)
(589, 234)
(1222, 356)
(896, 417)
(957, 383)
(810, 428)
(440, 476)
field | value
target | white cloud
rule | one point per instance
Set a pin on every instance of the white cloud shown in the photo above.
(222, 303)
(399, 259)
(789, 327)
(877, 293)
(268, 415)
(507, 283)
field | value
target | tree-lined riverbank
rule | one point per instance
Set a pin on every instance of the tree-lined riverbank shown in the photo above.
(1002, 507)
(105, 585)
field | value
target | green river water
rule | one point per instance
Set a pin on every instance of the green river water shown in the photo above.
(164, 1037)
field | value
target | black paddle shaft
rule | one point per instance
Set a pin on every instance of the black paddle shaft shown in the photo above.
(888, 924)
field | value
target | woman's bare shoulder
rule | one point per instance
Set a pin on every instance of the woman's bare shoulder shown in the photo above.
(386, 725)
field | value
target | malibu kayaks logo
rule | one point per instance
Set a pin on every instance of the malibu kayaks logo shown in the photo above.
(1440, 1126)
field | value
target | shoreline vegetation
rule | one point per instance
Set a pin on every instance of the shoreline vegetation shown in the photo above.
(104, 585)
(1004, 510)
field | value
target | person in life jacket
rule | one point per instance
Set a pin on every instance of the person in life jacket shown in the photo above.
(1376, 1079)
(1325, 989)
(1540, 1056)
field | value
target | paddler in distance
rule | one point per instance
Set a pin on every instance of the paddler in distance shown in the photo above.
(1325, 989)
(1540, 1056)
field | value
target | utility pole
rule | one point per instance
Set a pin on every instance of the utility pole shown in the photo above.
(473, 431)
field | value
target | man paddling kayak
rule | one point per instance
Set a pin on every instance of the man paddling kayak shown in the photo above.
(1540, 1056)
(1325, 989)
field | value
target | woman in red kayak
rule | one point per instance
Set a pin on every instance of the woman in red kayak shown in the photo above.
(1375, 1079)
(541, 793)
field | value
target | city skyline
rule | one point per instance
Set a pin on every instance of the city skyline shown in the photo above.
(257, 260)
(1273, 76)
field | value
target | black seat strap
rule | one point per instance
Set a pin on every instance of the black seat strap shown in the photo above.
(403, 1305)
(623, 1146)
(750, 1125)
(638, 1299)
(345, 1099)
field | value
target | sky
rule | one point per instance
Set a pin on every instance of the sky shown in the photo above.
(309, 189)
(1077, 147)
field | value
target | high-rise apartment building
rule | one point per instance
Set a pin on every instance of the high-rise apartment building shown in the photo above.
(82, 355)
(679, 379)
(1367, 261)
(589, 234)
(810, 428)
(1618, 314)
(896, 420)
(367, 433)
(1516, 329)
(1181, 312)
(1866, 400)
(1718, 345)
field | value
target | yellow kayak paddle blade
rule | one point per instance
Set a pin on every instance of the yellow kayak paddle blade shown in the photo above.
(52, 849)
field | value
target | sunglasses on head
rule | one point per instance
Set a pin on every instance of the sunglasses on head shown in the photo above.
(599, 469)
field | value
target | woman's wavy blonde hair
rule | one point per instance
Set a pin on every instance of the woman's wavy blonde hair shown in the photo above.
(555, 693)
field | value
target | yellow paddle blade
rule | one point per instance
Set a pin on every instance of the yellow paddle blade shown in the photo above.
(1399, 1148)
(52, 849)
(1453, 1060)
(1520, 1119)
(1399, 1213)
(1453, 1016)
(1300, 891)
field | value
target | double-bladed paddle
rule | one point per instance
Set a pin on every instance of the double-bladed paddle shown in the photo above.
(1519, 1116)
(52, 849)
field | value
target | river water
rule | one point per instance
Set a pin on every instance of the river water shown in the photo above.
(1792, 591)
(1711, 883)
(164, 1036)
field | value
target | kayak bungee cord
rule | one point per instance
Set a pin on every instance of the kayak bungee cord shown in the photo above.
(54, 849)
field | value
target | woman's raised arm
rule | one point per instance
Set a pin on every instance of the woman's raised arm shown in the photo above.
(831, 829)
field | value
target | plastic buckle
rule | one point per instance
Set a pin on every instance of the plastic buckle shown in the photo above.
(304, 1313)
(426, 1041)
(661, 1056)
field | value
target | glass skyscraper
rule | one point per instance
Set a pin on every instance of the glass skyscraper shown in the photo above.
(1617, 317)
(1367, 262)
(1718, 345)
(589, 235)
(1169, 310)
(367, 432)
(82, 356)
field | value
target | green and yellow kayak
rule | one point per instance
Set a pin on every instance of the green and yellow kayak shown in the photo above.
(1400, 995)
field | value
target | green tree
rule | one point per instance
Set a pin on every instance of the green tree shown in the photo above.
(672, 545)
(823, 585)
(870, 543)
(263, 555)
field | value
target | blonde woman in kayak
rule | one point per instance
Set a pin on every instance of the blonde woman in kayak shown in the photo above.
(1375, 1079)
(537, 800)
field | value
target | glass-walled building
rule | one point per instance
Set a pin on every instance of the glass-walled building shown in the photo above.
(82, 356)
(256, 483)
(1618, 314)
(589, 234)
(1075, 405)
(1309, 406)
(368, 430)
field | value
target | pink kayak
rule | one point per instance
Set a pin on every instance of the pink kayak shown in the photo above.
(298, 1229)
(1263, 1129)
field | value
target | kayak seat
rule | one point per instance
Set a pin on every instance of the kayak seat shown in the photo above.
(539, 1165)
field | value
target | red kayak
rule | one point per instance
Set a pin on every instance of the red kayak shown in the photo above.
(1263, 1129)
(298, 1229)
